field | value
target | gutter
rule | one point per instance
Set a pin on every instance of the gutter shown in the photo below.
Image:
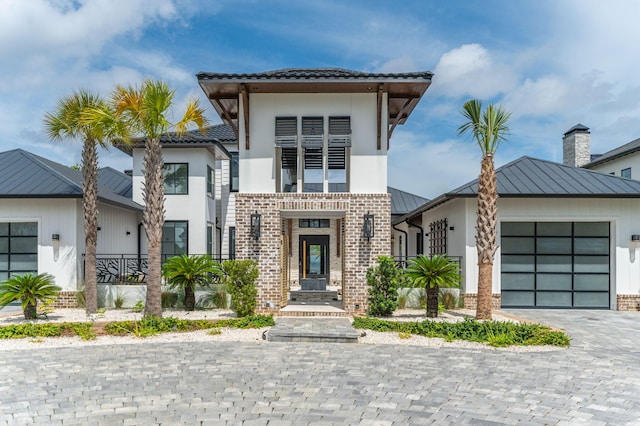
(406, 237)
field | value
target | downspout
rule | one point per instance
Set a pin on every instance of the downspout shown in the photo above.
(139, 240)
(218, 228)
(406, 243)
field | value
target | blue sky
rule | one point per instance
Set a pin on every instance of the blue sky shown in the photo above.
(552, 63)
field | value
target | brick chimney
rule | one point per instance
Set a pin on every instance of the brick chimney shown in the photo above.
(576, 150)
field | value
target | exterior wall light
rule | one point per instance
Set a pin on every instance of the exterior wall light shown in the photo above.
(635, 240)
(55, 242)
(255, 225)
(368, 226)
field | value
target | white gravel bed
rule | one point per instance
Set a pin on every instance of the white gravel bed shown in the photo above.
(233, 334)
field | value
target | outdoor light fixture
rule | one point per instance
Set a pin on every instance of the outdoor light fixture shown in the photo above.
(368, 228)
(255, 225)
(635, 240)
(56, 237)
(55, 242)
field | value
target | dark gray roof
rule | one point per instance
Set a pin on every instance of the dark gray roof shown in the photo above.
(621, 151)
(314, 73)
(212, 138)
(529, 177)
(26, 175)
(578, 128)
(403, 202)
(117, 181)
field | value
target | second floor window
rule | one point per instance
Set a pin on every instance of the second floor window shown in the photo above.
(626, 173)
(176, 178)
(211, 180)
(234, 172)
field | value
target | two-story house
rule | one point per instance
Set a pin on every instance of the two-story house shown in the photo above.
(312, 206)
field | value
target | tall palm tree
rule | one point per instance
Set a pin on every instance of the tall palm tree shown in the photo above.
(67, 122)
(488, 128)
(433, 273)
(144, 111)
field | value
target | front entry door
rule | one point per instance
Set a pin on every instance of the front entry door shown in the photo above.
(314, 256)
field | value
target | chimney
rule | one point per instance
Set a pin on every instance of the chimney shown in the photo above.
(576, 150)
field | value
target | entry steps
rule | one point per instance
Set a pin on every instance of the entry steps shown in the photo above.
(335, 330)
(312, 296)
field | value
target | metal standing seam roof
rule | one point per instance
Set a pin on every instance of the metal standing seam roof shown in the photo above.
(403, 202)
(118, 182)
(621, 151)
(26, 175)
(529, 177)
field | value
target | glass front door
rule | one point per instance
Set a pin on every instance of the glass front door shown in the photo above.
(314, 256)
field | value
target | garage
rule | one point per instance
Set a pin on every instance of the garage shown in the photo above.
(555, 265)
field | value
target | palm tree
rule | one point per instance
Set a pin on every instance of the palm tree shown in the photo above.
(186, 272)
(489, 128)
(433, 273)
(30, 289)
(67, 122)
(144, 111)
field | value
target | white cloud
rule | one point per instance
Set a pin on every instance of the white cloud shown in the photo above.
(470, 70)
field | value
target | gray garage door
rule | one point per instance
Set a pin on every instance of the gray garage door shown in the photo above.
(555, 264)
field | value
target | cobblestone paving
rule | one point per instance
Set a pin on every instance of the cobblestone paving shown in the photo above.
(596, 381)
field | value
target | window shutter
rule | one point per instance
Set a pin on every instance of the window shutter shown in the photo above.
(289, 158)
(312, 131)
(313, 158)
(286, 131)
(339, 131)
(337, 158)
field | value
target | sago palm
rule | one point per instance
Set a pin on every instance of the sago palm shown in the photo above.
(488, 128)
(29, 289)
(188, 272)
(67, 122)
(433, 273)
(144, 111)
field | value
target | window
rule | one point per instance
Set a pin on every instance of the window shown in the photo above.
(626, 173)
(211, 180)
(312, 144)
(419, 244)
(176, 178)
(18, 248)
(209, 239)
(175, 238)
(314, 223)
(232, 242)
(234, 165)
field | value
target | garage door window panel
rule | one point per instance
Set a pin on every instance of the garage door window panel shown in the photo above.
(518, 229)
(548, 299)
(518, 245)
(591, 246)
(589, 282)
(554, 229)
(518, 282)
(517, 263)
(518, 298)
(591, 229)
(553, 264)
(553, 282)
(552, 245)
(590, 300)
(598, 264)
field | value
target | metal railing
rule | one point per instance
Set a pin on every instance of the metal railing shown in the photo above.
(127, 269)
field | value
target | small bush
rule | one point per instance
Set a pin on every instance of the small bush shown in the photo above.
(139, 307)
(402, 301)
(119, 300)
(239, 277)
(215, 297)
(448, 300)
(151, 325)
(383, 281)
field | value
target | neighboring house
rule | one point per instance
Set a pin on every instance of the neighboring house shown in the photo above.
(407, 236)
(564, 236)
(41, 218)
(312, 206)
(623, 161)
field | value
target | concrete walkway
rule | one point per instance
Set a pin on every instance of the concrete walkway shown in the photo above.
(595, 382)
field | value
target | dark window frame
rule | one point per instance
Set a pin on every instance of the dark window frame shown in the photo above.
(170, 183)
(165, 242)
(626, 173)
(211, 181)
(232, 242)
(314, 223)
(14, 236)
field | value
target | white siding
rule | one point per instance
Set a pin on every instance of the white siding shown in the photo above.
(616, 166)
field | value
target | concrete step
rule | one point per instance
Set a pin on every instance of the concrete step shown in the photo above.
(336, 330)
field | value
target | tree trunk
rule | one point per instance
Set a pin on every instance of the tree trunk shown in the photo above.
(90, 210)
(189, 299)
(432, 301)
(487, 218)
(153, 220)
(30, 311)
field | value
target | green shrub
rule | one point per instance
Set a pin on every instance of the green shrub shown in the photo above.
(139, 307)
(402, 301)
(495, 333)
(383, 281)
(215, 297)
(151, 325)
(185, 273)
(119, 300)
(239, 277)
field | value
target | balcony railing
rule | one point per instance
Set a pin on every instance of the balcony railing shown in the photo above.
(127, 269)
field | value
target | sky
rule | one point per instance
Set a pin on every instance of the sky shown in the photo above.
(551, 63)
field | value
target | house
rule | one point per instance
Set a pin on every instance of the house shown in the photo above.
(41, 219)
(623, 161)
(311, 205)
(567, 237)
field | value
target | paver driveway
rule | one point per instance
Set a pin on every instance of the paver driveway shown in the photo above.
(596, 381)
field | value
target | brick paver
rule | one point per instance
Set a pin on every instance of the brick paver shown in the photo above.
(596, 381)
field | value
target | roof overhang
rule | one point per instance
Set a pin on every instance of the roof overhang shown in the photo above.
(214, 147)
(403, 91)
